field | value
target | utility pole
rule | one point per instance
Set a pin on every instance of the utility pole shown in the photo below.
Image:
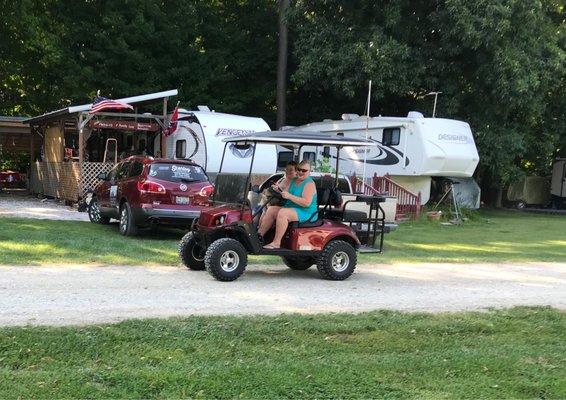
(282, 64)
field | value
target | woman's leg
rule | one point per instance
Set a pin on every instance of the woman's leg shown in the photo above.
(268, 219)
(284, 216)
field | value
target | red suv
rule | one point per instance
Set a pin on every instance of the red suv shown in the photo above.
(142, 191)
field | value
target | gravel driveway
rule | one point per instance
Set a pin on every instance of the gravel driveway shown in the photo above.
(70, 295)
(30, 207)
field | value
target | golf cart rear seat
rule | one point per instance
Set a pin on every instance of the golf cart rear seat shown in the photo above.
(325, 198)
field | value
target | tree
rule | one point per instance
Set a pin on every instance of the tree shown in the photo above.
(496, 62)
(59, 52)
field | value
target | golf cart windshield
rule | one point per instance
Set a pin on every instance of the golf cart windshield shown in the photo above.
(230, 188)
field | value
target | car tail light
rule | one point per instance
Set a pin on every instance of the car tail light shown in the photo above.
(206, 191)
(150, 187)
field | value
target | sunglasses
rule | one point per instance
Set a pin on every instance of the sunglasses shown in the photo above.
(302, 170)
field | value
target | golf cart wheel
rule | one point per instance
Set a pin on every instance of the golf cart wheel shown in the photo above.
(337, 261)
(94, 213)
(299, 263)
(226, 259)
(127, 223)
(191, 254)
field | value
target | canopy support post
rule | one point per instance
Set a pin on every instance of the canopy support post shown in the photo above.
(162, 137)
(81, 140)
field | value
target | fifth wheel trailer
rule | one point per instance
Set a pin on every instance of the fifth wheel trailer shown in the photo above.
(410, 149)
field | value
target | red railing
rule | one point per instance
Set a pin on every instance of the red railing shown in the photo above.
(408, 203)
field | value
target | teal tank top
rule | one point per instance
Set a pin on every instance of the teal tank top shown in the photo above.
(303, 213)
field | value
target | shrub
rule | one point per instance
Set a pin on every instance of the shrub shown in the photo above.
(14, 161)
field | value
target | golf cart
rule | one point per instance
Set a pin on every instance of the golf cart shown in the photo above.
(223, 236)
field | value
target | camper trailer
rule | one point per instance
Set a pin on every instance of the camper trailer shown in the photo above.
(199, 135)
(410, 149)
(558, 183)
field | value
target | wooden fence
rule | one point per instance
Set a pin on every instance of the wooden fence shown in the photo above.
(65, 180)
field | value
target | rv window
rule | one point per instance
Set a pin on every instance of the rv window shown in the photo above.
(283, 158)
(180, 149)
(391, 136)
(309, 156)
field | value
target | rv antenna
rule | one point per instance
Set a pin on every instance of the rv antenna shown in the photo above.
(435, 94)
(367, 127)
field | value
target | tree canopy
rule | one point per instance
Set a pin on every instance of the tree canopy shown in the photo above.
(500, 64)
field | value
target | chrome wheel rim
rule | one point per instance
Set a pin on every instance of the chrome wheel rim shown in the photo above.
(229, 261)
(94, 211)
(340, 261)
(123, 219)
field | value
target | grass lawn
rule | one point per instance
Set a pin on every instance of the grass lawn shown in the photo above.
(518, 353)
(492, 236)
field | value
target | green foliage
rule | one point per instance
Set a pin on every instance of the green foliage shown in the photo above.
(14, 161)
(517, 353)
(324, 166)
(500, 65)
(59, 52)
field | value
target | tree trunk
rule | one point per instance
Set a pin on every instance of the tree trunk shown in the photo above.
(282, 64)
(499, 199)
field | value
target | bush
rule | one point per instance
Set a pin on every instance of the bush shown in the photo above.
(14, 161)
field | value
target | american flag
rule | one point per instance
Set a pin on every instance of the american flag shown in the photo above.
(102, 103)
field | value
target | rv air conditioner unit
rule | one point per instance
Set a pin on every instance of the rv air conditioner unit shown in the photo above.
(415, 114)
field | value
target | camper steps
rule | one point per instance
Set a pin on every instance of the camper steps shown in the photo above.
(401, 217)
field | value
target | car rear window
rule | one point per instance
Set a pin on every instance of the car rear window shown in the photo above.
(177, 172)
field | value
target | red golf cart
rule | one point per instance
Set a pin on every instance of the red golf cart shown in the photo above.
(223, 236)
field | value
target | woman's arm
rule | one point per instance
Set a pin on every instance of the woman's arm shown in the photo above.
(282, 184)
(305, 200)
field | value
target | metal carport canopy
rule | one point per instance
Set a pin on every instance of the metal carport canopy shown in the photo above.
(300, 138)
(86, 107)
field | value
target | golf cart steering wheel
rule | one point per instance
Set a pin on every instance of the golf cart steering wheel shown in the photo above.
(274, 193)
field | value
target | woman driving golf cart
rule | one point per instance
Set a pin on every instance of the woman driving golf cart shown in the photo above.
(300, 205)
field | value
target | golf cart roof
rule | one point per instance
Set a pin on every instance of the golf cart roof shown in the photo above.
(301, 138)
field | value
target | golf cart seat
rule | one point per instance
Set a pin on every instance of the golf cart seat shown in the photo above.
(346, 215)
(326, 197)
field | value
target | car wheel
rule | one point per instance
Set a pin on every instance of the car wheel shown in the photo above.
(299, 263)
(127, 223)
(94, 213)
(191, 254)
(337, 261)
(226, 259)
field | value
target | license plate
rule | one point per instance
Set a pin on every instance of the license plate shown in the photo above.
(182, 200)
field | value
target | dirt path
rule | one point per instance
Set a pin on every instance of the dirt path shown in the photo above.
(86, 294)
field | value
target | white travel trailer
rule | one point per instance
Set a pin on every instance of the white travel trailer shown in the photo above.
(199, 137)
(410, 149)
